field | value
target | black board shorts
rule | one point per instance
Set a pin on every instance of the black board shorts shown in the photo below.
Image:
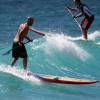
(18, 51)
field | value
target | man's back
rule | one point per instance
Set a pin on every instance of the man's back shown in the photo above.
(21, 33)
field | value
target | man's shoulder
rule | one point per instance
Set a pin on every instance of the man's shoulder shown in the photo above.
(23, 25)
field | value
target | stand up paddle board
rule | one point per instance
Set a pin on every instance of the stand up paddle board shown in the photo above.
(45, 78)
(63, 80)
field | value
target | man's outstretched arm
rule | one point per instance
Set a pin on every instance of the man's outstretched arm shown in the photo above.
(38, 32)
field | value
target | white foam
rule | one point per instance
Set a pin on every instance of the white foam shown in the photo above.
(61, 43)
(19, 73)
(94, 35)
(98, 43)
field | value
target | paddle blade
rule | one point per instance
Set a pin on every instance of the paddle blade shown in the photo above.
(6, 53)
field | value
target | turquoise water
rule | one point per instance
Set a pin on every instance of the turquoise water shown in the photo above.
(57, 54)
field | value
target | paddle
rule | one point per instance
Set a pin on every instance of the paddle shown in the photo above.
(66, 8)
(8, 52)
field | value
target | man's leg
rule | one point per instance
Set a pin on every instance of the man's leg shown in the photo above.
(14, 61)
(25, 63)
(85, 34)
(83, 26)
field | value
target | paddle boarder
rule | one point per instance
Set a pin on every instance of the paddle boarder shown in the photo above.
(18, 48)
(86, 13)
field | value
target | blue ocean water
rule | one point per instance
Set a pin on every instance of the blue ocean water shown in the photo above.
(57, 54)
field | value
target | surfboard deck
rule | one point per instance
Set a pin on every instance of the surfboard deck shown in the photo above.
(63, 80)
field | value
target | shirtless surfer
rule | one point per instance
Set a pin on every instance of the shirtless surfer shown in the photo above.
(18, 48)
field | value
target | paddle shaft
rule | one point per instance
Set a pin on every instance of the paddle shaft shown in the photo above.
(6, 53)
(74, 19)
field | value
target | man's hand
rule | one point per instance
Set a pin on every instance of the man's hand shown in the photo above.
(74, 17)
(20, 44)
(30, 40)
(66, 8)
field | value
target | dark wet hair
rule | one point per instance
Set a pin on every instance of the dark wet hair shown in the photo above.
(30, 21)
(29, 18)
(77, 1)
